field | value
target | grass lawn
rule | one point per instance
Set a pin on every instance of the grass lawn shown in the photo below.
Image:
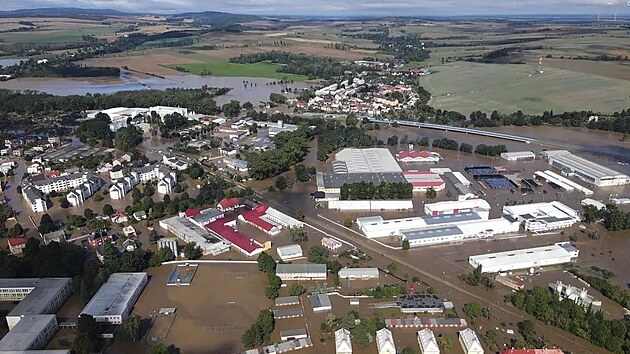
(56, 36)
(224, 68)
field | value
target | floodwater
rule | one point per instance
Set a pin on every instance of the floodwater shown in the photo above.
(10, 61)
(242, 88)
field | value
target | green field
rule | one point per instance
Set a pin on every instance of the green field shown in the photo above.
(220, 67)
(466, 87)
(55, 36)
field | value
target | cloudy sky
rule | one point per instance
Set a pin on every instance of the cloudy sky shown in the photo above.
(343, 7)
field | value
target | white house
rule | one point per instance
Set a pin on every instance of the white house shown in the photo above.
(35, 199)
(175, 163)
(428, 343)
(124, 185)
(83, 192)
(470, 342)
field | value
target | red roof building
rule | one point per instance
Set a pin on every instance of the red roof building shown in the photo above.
(243, 243)
(418, 156)
(228, 204)
(191, 213)
(255, 218)
(17, 244)
(423, 180)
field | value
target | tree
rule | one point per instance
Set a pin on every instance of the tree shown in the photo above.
(195, 171)
(161, 256)
(266, 263)
(348, 222)
(281, 183)
(277, 98)
(15, 230)
(408, 350)
(351, 120)
(405, 245)
(317, 254)
(591, 213)
(392, 268)
(64, 203)
(46, 224)
(129, 329)
(298, 234)
(128, 138)
(108, 210)
(296, 289)
(192, 251)
(160, 348)
(273, 288)
(424, 141)
(88, 336)
(302, 173)
(472, 310)
(231, 109)
(88, 213)
(431, 193)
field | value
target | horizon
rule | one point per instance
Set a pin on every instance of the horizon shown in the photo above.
(345, 8)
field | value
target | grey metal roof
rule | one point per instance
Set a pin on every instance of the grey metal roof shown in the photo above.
(26, 332)
(448, 218)
(32, 194)
(44, 291)
(300, 268)
(291, 312)
(319, 300)
(287, 300)
(438, 231)
(113, 296)
(69, 177)
(293, 332)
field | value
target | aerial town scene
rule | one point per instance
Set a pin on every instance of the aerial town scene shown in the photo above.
(349, 176)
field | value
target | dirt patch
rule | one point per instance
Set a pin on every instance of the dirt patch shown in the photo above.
(146, 64)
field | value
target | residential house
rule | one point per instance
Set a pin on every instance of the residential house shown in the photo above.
(17, 244)
(175, 163)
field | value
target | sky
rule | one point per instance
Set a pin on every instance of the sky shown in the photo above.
(342, 7)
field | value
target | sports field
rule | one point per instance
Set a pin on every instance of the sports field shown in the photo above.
(466, 87)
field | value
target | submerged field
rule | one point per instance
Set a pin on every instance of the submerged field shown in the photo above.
(465, 87)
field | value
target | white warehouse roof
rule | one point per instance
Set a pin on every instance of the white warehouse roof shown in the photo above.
(470, 341)
(428, 343)
(114, 296)
(562, 252)
(368, 160)
(515, 155)
(349, 273)
(385, 342)
(289, 252)
(455, 206)
(343, 344)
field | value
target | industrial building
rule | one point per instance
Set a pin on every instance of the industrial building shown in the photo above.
(343, 343)
(37, 296)
(470, 342)
(33, 332)
(320, 302)
(385, 342)
(224, 228)
(287, 300)
(540, 217)
(531, 351)
(455, 207)
(290, 252)
(119, 116)
(375, 226)
(458, 232)
(287, 313)
(301, 271)
(577, 295)
(428, 343)
(358, 273)
(420, 303)
(418, 156)
(421, 181)
(331, 243)
(188, 231)
(293, 334)
(371, 160)
(585, 170)
(114, 300)
(371, 205)
(274, 127)
(559, 253)
(518, 156)
(592, 202)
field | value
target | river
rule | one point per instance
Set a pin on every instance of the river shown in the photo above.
(243, 89)
(10, 61)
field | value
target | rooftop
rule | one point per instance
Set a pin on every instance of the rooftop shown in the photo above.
(419, 301)
(289, 250)
(290, 312)
(44, 291)
(287, 300)
(535, 254)
(237, 238)
(576, 162)
(470, 340)
(300, 268)
(368, 160)
(423, 179)
(319, 301)
(26, 332)
(113, 296)
(430, 232)
(336, 180)
(427, 340)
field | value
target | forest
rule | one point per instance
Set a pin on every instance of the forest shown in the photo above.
(300, 64)
(370, 191)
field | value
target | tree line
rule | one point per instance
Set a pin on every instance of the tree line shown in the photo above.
(370, 191)
(613, 218)
(337, 137)
(291, 148)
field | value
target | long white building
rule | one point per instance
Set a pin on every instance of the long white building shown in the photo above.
(539, 217)
(114, 300)
(385, 342)
(358, 273)
(124, 185)
(35, 199)
(343, 343)
(559, 253)
(470, 342)
(455, 207)
(33, 332)
(376, 226)
(84, 191)
(591, 172)
(301, 271)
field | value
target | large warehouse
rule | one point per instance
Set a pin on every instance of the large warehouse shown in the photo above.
(559, 253)
(31, 333)
(367, 160)
(301, 271)
(114, 300)
(586, 170)
(375, 226)
(455, 207)
(539, 217)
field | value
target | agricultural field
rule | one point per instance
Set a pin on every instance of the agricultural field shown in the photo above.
(217, 67)
(465, 87)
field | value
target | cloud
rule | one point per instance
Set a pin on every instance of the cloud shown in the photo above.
(343, 7)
